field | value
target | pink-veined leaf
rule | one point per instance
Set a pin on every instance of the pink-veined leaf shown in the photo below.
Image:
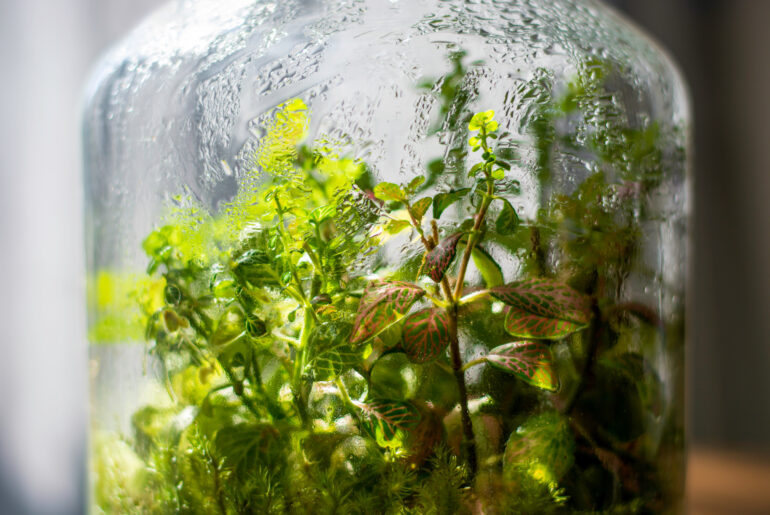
(543, 309)
(383, 303)
(524, 324)
(386, 417)
(426, 334)
(439, 259)
(529, 361)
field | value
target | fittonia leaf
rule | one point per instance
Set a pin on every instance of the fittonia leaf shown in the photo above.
(332, 353)
(439, 259)
(543, 309)
(542, 447)
(529, 361)
(426, 334)
(385, 417)
(382, 304)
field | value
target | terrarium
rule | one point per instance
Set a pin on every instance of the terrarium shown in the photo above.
(386, 256)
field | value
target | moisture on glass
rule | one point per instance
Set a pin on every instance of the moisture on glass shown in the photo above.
(386, 256)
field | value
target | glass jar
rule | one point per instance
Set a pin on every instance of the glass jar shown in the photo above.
(387, 257)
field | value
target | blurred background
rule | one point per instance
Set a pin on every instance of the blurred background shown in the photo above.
(46, 48)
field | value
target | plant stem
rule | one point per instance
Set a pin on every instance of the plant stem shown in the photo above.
(594, 336)
(473, 363)
(454, 348)
(482, 213)
(473, 297)
(238, 389)
(459, 373)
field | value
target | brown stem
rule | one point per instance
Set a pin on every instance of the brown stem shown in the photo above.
(537, 251)
(454, 346)
(459, 373)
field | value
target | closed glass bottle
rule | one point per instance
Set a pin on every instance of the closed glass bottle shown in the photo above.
(388, 257)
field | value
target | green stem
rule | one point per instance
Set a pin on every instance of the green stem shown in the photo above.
(473, 363)
(482, 213)
(300, 361)
(344, 393)
(238, 389)
(473, 297)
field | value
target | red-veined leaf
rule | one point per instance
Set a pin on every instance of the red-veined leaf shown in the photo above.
(524, 324)
(439, 259)
(382, 304)
(386, 418)
(529, 361)
(420, 207)
(426, 334)
(541, 308)
(389, 192)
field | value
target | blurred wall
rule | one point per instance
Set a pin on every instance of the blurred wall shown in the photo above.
(45, 48)
(723, 48)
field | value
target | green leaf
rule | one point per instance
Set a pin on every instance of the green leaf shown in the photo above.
(444, 200)
(529, 361)
(542, 447)
(245, 447)
(322, 213)
(439, 259)
(389, 192)
(231, 327)
(541, 308)
(331, 352)
(382, 304)
(475, 169)
(483, 119)
(508, 221)
(396, 226)
(641, 372)
(414, 184)
(426, 334)
(387, 417)
(257, 268)
(498, 174)
(488, 267)
(420, 207)
(394, 377)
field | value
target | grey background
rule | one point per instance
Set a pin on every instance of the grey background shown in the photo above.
(723, 46)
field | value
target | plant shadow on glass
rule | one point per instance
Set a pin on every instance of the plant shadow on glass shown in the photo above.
(307, 372)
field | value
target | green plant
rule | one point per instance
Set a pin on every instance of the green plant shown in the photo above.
(307, 375)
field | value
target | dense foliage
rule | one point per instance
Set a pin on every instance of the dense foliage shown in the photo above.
(309, 372)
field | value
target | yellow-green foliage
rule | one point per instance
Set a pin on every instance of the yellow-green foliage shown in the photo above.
(297, 180)
(120, 303)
